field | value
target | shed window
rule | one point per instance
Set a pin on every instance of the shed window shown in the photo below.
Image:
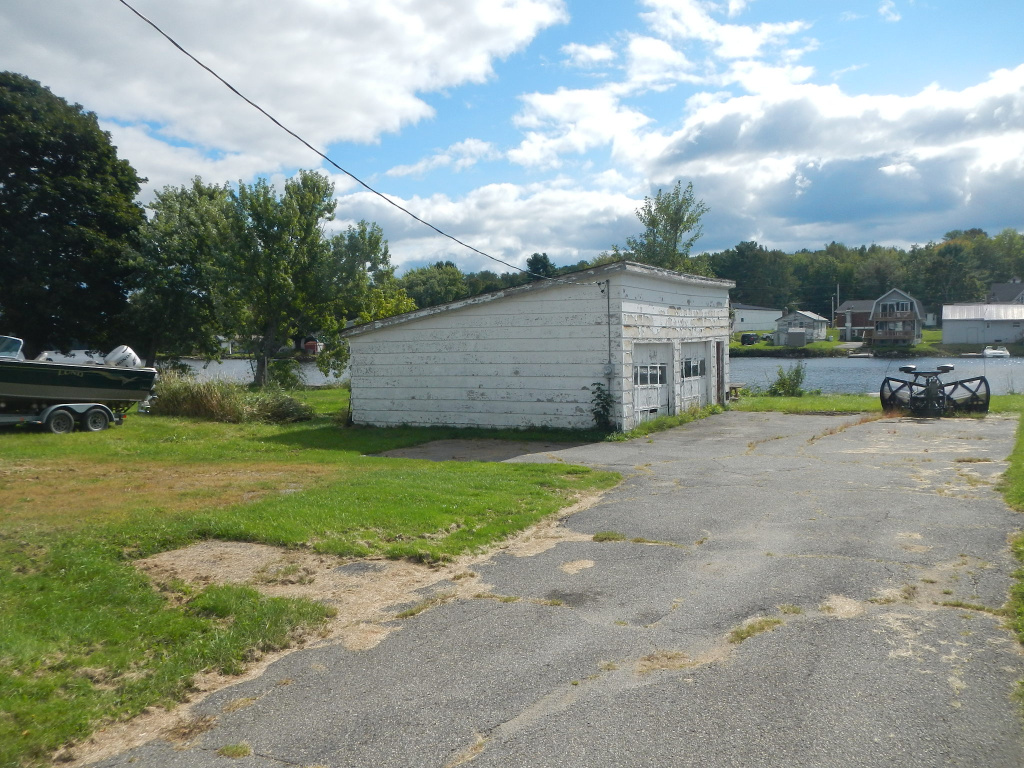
(645, 375)
(693, 368)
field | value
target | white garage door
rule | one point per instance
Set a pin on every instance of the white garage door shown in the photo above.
(693, 376)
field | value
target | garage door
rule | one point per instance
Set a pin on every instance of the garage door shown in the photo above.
(693, 376)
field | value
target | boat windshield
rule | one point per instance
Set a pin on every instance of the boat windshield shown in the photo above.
(9, 346)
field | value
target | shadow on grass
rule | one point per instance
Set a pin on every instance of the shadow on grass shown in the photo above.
(329, 436)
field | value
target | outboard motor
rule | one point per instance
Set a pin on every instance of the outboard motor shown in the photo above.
(122, 357)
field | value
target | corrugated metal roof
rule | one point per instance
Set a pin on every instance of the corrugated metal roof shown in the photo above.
(988, 312)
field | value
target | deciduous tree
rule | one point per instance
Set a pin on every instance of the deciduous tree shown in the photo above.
(68, 220)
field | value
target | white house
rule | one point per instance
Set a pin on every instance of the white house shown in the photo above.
(656, 340)
(982, 323)
(747, 317)
(810, 326)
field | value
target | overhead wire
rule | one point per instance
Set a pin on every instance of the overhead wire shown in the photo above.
(321, 154)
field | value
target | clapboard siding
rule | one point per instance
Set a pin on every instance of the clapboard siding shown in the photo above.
(529, 356)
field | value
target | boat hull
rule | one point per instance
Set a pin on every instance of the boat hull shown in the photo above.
(27, 384)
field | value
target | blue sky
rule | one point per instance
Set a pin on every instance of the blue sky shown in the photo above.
(540, 125)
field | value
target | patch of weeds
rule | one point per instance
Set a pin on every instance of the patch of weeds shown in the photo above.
(241, 749)
(621, 623)
(241, 703)
(499, 598)
(463, 575)
(470, 753)
(431, 602)
(947, 591)
(971, 460)
(974, 607)
(929, 581)
(790, 609)
(909, 591)
(188, 730)
(607, 666)
(751, 628)
(663, 661)
(608, 536)
(554, 601)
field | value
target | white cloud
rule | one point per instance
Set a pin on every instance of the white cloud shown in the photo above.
(587, 56)
(332, 72)
(572, 122)
(887, 10)
(507, 221)
(691, 20)
(458, 157)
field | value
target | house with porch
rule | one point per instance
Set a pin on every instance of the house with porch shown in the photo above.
(897, 320)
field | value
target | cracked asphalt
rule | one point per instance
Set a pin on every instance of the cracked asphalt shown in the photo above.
(851, 535)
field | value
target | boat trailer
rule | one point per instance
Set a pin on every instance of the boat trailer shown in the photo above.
(927, 395)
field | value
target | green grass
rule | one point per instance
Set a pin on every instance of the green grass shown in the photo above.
(85, 639)
(809, 404)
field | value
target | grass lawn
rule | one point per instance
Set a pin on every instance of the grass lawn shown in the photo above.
(85, 639)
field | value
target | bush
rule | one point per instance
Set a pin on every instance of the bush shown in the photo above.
(788, 383)
(226, 401)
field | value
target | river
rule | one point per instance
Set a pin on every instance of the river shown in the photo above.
(859, 375)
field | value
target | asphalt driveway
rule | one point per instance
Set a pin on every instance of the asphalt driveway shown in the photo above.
(850, 535)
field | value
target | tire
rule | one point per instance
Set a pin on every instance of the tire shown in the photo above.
(95, 420)
(60, 422)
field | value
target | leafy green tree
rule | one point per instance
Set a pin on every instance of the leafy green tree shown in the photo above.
(438, 283)
(178, 306)
(68, 220)
(763, 278)
(539, 266)
(367, 282)
(283, 275)
(483, 281)
(672, 225)
(945, 274)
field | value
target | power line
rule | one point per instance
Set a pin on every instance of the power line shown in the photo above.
(296, 136)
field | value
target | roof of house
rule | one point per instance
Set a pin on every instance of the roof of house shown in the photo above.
(1004, 292)
(988, 312)
(805, 314)
(591, 276)
(736, 305)
(856, 305)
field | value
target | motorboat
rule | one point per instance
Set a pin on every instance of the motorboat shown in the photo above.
(995, 352)
(117, 380)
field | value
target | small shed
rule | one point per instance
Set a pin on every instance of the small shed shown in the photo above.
(982, 323)
(814, 327)
(656, 340)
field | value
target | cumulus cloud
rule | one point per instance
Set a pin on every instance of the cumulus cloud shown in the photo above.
(332, 72)
(587, 56)
(507, 221)
(458, 157)
(692, 20)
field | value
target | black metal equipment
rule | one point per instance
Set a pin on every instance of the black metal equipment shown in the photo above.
(926, 395)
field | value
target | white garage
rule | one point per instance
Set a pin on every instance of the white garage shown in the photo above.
(656, 340)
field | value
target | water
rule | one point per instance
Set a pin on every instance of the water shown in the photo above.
(839, 375)
(242, 371)
(859, 375)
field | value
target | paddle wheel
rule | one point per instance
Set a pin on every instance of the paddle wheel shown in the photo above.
(928, 395)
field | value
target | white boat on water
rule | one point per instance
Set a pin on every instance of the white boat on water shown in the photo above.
(995, 352)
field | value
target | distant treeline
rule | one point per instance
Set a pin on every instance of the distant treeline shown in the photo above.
(959, 268)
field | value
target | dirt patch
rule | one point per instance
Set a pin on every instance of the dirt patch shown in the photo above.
(367, 594)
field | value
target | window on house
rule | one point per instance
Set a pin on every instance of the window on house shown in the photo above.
(646, 375)
(693, 368)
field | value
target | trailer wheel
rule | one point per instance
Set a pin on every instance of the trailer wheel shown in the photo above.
(95, 420)
(60, 422)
